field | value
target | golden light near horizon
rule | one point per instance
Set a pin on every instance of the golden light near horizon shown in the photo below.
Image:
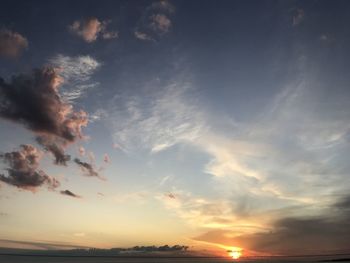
(235, 252)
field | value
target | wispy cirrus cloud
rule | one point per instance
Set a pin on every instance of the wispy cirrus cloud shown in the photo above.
(76, 72)
(91, 29)
(162, 118)
(12, 43)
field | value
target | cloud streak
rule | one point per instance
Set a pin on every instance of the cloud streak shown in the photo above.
(87, 168)
(69, 193)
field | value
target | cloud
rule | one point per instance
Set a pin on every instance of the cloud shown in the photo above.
(34, 101)
(164, 118)
(106, 158)
(69, 193)
(76, 72)
(11, 43)
(38, 245)
(170, 195)
(142, 36)
(160, 23)
(22, 170)
(91, 29)
(163, 5)
(82, 151)
(328, 233)
(53, 146)
(298, 17)
(87, 168)
(155, 21)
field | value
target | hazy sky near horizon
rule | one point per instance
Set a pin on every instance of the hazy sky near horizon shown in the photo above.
(221, 123)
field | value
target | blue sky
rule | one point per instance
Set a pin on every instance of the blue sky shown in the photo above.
(228, 120)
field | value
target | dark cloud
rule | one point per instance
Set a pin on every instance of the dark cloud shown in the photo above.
(69, 193)
(23, 172)
(87, 168)
(55, 148)
(11, 43)
(34, 101)
(329, 233)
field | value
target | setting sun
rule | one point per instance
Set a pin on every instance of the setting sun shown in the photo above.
(235, 253)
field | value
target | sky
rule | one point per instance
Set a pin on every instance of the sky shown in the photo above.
(212, 124)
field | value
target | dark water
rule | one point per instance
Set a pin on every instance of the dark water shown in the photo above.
(44, 259)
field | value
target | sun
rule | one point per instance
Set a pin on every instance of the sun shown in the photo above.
(235, 252)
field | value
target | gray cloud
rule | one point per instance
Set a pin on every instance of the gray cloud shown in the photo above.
(11, 43)
(34, 101)
(87, 168)
(69, 193)
(55, 148)
(23, 172)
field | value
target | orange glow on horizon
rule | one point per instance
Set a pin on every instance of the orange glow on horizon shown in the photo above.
(235, 252)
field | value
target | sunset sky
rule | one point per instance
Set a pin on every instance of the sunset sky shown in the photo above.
(212, 124)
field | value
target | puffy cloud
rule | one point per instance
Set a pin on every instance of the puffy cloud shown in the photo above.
(11, 43)
(298, 16)
(23, 170)
(69, 193)
(155, 21)
(87, 168)
(92, 28)
(160, 23)
(34, 101)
